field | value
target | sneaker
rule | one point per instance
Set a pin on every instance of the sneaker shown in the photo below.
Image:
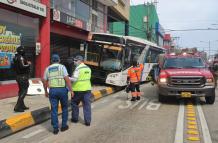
(74, 121)
(138, 97)
(64, 128)
(87, 124)
(133, 99)
(55, 131)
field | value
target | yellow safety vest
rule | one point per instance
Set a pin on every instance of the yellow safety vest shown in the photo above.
(83, 82)
(56, 75)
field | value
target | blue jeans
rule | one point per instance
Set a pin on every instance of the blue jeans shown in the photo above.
(56, 95)
(85, 97)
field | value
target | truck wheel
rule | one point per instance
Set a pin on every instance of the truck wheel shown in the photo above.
(210, 99)
(161, 98)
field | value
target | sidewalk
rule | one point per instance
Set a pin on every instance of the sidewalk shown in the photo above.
(11, 122)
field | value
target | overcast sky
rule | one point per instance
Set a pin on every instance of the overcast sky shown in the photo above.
(189, 14)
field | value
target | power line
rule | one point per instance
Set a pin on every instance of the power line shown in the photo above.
(200, 29)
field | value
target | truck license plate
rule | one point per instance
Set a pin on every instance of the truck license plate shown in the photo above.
(186, 94)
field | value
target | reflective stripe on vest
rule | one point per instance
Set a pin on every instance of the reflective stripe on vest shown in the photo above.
(134, 73)
(83, 82)
(56, 76)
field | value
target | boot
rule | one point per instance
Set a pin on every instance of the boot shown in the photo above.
(138, 98)
(133, 99)
(18, 110)
(18, 106)
(24, 107)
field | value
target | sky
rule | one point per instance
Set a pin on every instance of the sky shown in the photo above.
(189, 14)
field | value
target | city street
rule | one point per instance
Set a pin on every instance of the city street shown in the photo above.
(117, 120)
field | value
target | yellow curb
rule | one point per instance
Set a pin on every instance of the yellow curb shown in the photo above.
(192, 123)
(192, 127)
(109, 90)
(193, 138)
(192, 132)
(20, 121)
(97, 94)
(191, 119)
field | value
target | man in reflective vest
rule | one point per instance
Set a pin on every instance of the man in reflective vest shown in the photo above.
(56, 79)
(82, 90)
(134, 77)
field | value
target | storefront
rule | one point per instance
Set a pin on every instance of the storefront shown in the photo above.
(15, 30)
(20, 24)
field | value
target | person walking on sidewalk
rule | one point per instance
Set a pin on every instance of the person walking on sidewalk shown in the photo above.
(134, 77)
(56, 78)
(22, 68)
(82, 90)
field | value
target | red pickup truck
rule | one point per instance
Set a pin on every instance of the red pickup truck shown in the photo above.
(185, 76)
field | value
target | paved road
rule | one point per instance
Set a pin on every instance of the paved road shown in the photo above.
(117, 120)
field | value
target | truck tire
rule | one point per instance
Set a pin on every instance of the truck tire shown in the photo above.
(210, 99)
(161, 98)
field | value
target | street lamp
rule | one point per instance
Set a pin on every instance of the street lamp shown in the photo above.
(209, 45)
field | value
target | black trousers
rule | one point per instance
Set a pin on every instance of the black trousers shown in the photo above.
(135, 87)
(23, 84)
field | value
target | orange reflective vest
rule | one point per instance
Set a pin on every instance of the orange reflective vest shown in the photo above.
(134, 73)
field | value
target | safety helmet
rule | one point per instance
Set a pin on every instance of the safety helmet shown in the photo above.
(78, 57)
(55, 58)
(20, 50)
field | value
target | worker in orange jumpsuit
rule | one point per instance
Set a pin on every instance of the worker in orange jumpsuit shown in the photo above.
(134, 77)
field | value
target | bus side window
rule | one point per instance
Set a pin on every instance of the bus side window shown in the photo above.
(148, 57)
(127, 58)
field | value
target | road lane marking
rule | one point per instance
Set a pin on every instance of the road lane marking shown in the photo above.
(205, 130)
(180, 124)
(33, 133)
(137, 102)
(153, 105)
(145, 102)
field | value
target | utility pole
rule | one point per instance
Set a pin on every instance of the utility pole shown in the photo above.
(209, 49)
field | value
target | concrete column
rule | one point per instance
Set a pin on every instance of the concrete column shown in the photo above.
(43, 59)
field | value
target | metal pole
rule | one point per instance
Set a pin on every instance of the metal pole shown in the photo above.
(209, 48)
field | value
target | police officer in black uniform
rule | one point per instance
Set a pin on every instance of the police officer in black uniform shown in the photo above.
(22, 68)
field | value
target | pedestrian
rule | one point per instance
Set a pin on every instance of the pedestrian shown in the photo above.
(134, 77)
(22, 69)
(57, 80)
(82, 90)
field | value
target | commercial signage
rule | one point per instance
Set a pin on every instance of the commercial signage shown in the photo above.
(9, 42)
(159, 29)
(69, 20)
(27, 5)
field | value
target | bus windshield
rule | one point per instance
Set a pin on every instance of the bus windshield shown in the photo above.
(111, 58)
(108, 57)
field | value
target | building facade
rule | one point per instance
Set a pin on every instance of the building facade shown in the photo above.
(45, 27)
(142, 23)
